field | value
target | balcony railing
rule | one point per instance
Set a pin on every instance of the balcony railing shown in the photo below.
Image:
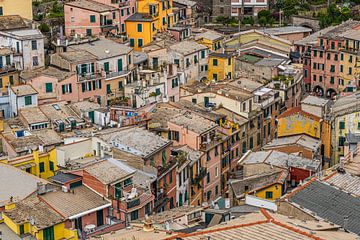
(133, 203)
(86, 77)
(198, 177)
(123, 4)
(116, 74)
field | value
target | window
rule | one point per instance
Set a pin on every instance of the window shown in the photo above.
(216, 190)
(315, 53)
(152, 162)
(33, 45)
(11, 80)
(163, 21)
(341, 125)
(28, 100)
(35, 61)
(335, 57)
(342, 57)
(48, 87)
(215, 62)
(332, 45)
(93, 19)
(208, 178)
(117, 190)
(66, 88)
(216, 171)
(1, 11)
(171, 203)
(358, 125)
(139, 27)
(341, 68)
(128, 11)
(268, 195)
(134, 215)
(332, 68)
(51, 166)
(332, 80)
(341, 141)
(350, 71)
(202, 54)
(132, 42)
(140, 42)
(122, 13)
(251, 144)
(244, 147)
(114, 15)
(1, 83)
(42, 167)
(350, 59)
(163, 158)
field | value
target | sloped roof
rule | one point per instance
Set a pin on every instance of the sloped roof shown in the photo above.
(330, 203)
(70, 204)
(346, 182)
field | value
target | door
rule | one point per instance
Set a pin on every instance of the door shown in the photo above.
(106, 67)
(92, 116)
(180, 200)
(206, 101)
(100, 218)
(78, 224)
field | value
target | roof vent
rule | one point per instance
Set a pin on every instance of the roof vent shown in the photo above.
(107, 51)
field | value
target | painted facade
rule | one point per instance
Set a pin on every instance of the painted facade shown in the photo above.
(221, 67)
(11, 7)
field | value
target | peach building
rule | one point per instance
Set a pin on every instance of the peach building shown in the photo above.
(97, 17)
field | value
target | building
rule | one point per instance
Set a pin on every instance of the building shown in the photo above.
(9, 75)
(90, 18)
(312, 200)
(11, 7)
(344, 123)
(302, 144)
(38, 163)
(97, 17)
(211, 39)
(22, 96)
(309, 119)
(114, 62)
(269, 186)
(148, 152)
(189, 12)
(221, 66)
(251, 8)
(79, 77)
(290, 33)
(45, 221)
(332, 59)
(261, 162)
(16, 184)
(20, 142)
(152, 16)
(27, 45)
(191, 59)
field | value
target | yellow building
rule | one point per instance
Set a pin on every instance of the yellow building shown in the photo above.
(8, 73)
(213, 40)
(34, 217)
(42, 165)
(16, 7)
(269, 186)
(153, 16)
(295, 121)
(221, 66)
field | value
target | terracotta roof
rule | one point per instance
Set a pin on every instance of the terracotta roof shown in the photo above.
(297, 110)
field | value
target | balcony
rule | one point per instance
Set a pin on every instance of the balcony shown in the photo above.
(111, 75)
(169, 165)
(199, 176)
(87, 77)
(161, 200)
(124, 4)
(7, 68)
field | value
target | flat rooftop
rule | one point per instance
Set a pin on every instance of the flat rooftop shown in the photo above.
(193, 122)
(302, 140)
(91, 5)
(23, 90)
(33, 115)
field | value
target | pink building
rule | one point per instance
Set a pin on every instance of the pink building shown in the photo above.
(97, 17)
(200, 134)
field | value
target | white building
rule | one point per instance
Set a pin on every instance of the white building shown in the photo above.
(28, 46)
(22, 96)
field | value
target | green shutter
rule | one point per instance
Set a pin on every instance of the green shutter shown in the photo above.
(63, 89)
(51, 166)
(106, 67)
(163, 158)
(48, 87)
(108, 88)
(92, 18)
(42, 167)
(132, 42)
(215, 62)
(70, 88)
(140, 42)
(48, 234)
(202, 53)
(342, 125)
(83, 87)
(117, 190)
(139, 27)
(120, 65)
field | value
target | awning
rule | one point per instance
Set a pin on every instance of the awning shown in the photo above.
(105, 13)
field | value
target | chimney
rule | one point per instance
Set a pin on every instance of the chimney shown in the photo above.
(148, 226)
